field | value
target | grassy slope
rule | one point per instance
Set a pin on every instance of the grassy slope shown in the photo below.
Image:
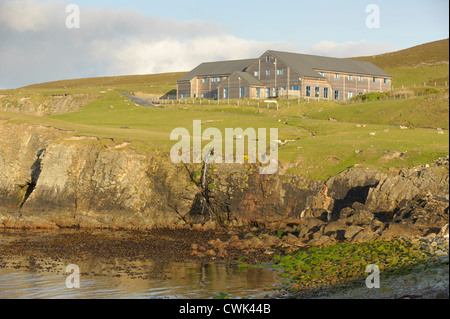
(432, 53)
(321, 148)
(152, 83)
(426, 63)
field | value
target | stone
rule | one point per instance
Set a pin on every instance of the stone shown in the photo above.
(395, 230)
(352, 231)
(255, 242)
(444, 231)
(270, 240)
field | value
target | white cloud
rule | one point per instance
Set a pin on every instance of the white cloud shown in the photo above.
(26, 15)
(349, 49)
(37, 46)
(170, 54)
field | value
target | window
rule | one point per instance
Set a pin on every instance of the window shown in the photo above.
(213, 80)
(267, 72)
(308, 91)
(268, 58)
(205, 80)
(267, 92)
(322, 74)
(350, 95)
(374, 80)
(317, 93)
(204, 95)
(336, 95)
(325, 93)
(360, 93)
(219, 79)
(258, 93)
(256, 74)
(242, 92)
(283, 88)
(336, 76)
(280, 72)
(385, 81)
(350, 77)
(361, 78)
(225, 93)
(295, 88)
(183, 95)
(275, 91)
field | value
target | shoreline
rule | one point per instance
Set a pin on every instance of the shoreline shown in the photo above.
(208, 247)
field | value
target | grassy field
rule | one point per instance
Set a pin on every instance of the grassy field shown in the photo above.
(151, 83)
(317, 147)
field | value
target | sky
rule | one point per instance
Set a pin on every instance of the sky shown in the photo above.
(43, 40)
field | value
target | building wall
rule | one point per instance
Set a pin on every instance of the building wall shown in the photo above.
(280, 80)
(347, 83)
(316, 84)
(183, 89)
(276, 76)
(206, 86)
(234, 84)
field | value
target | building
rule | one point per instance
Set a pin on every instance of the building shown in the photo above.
(284, 75)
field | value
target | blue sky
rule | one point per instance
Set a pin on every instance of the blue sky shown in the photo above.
(143, 37)
(403, 23)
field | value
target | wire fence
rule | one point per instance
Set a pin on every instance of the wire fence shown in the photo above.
(403, 92)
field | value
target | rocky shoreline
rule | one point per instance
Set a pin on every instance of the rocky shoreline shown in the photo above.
(51, 179)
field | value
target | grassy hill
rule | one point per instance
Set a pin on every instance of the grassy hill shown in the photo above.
(151, 83)
(433, 53)
(427, 63)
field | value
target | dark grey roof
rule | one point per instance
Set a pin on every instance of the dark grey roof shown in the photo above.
(217, 68)
(249, 78)
(306, 65)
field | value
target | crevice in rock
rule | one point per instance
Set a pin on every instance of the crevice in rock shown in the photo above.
(36, 170)
(357, 194)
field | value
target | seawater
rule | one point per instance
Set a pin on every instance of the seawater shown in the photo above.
(184, 281)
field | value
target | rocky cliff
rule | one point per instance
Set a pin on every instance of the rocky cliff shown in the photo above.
(55, 179)
(42, 105)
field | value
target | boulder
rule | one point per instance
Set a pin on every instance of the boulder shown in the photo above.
(395, 230)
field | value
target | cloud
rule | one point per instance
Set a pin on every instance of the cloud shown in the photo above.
(38, 47)
(349, 49)
(170, 54)
(25, 15)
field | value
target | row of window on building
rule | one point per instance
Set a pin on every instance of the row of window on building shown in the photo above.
(215, 79)
(275, 91)
(279, 72)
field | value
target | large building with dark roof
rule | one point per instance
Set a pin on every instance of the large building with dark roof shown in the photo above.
(284, 75)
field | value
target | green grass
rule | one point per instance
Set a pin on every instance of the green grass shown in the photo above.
(343, 264)
(410, 77)
(430, 111)
(151, 83)
(319, 148)
(432, 53)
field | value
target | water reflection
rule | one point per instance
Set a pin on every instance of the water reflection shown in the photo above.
(34, 268)
(181, 280)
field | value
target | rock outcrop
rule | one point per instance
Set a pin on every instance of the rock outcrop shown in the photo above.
(54, 179)
(42, 105)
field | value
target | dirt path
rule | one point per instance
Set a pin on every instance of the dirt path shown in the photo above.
(139, 101)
